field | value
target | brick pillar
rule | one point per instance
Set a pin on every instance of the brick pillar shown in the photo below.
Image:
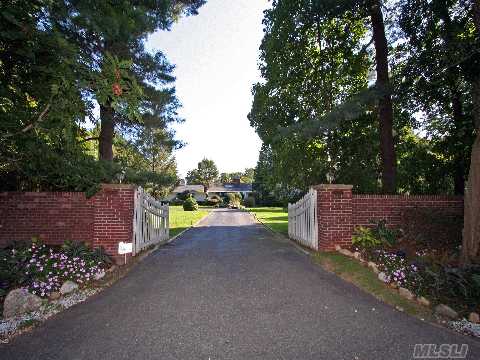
(335, 216)
(113, 218)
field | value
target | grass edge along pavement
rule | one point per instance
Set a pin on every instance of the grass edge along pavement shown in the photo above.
(180, 220)
(275, 218)
(350, 270)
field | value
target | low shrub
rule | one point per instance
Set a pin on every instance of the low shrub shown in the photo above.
(190, 204)
(185, 195)
(373, 237)
(233, 199)
(386, 235)
(365, 238)
(214, 200)
(249, 202)
(459, 287)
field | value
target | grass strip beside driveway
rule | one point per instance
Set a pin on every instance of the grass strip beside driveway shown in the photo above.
(181, 220)
(364, 278)
(276, 218)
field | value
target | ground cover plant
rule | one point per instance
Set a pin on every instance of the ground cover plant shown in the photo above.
(422, 262)
(42, 269)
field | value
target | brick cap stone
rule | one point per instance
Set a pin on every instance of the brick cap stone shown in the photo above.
(118, 186)
(333, 187)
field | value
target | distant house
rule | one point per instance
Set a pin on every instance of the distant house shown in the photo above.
(234, 187)
(199, 193)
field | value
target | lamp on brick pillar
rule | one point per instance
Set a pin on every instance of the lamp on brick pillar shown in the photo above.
(335, 216)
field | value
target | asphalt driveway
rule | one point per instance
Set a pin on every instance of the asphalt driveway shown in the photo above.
(229, 290)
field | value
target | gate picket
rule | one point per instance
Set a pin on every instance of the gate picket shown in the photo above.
(150, 221)
(302, 220)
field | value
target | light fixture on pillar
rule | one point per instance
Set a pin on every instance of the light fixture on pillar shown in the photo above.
(121, 176)
(329, 177)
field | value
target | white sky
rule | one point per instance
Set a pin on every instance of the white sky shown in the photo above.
(216, 55)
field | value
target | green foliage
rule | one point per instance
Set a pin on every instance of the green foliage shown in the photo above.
(386, 235)
(185, 195)
(373, 237)
(82, 250)
(433, 74)
(246, 177)
(459, 287)
(365, 238)
(57, 60)
(190, 204)
(310, 64)
(214, 200)
(205, 174)
(316, 114)
(249, 201)
(233, 199)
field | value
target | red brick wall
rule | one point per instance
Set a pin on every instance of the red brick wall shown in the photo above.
(391, 207)
(53, 217)
(339, 211)
(103, 220)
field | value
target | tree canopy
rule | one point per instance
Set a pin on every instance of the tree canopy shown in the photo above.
(383, 95)
(205, 174)
(59, 61)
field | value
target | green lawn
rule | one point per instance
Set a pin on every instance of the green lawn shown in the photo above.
(364, 278)
(181, 220)
(276, 218)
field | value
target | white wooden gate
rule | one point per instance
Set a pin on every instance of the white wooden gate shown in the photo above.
(150, 221)
(302, 220)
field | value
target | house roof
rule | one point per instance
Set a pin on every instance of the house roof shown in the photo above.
(230, 187)
(192, 188)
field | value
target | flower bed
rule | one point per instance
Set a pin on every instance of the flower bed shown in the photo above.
(431, 272)
(43, 269)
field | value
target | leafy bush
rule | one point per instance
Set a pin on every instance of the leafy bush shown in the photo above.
(12, 272)
(365, 238)
(384, 234)
(184, 195)
(79, 249)
(233, 199)
(372, 237)
(459, 287)
(249, 201)
(190, 204)
(433, 228)
(214, 200)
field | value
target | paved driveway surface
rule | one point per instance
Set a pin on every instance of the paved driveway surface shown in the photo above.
(229, 290)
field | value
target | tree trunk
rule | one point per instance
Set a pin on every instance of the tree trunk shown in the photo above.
(471, 225)
(107, 124)
(385, 107)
